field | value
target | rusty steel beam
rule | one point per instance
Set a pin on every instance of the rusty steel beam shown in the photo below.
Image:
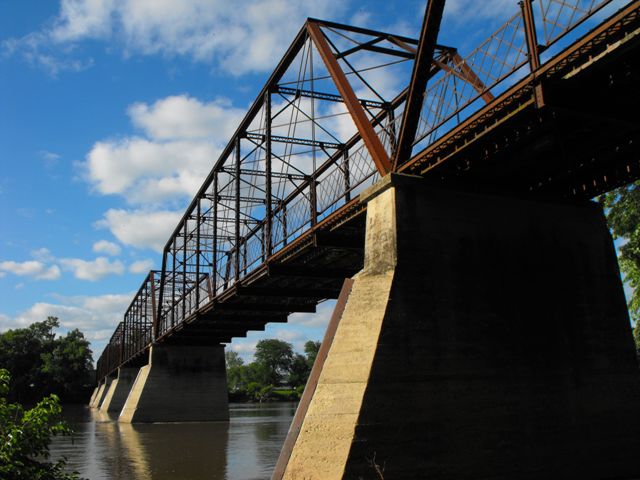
(533, 52)
(419, 78)
(470, 76)
(363, 124)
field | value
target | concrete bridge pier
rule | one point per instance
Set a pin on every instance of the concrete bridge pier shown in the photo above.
(180, 384)
(94, 395)
(103, 387)
(486, 337)
(119, 390)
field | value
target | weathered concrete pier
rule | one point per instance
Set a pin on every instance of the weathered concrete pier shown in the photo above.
(500, 326)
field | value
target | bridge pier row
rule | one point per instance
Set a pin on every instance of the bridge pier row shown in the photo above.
(180, 384)
(102, 391)
(486, 337)
(119, 390)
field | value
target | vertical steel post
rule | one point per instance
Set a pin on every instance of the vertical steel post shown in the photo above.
(123, 338)
(347, 174)
(198, 223)
(419, 77)
(173, 284)
(237, 238)
(154, 313)
(533, 52)
(214, 266)
(313, 200)
(158, 310)
(183, 297)
(268, 206)
(284, 224)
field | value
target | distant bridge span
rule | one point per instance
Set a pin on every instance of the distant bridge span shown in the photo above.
(545, 107)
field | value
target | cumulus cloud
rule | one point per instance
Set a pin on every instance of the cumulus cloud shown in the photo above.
(242, 36)
(92, 270)
(95, 316)
(141, 266)
(461, 11)
(144, 171)
(141, 228)
(106, 247)
(182, 117)
(319, 319)
(183, 137)
(31, 268)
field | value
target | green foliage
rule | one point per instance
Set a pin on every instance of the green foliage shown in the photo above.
(275, 364)
(275, 356)
(233, 359)
(299, 370)
(622, 207)
(43, 364)
(311, 349)
(25, 437)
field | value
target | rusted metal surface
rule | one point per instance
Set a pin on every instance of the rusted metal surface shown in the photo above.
(280, 202)
(371, 140)
(419, 77)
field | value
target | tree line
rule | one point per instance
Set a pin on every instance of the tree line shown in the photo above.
(277, 372)
(41, 363)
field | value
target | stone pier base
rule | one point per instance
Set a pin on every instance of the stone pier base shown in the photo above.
(102, 391)
(180, 384)
(94, 395)
(486, 337)
(119, 390)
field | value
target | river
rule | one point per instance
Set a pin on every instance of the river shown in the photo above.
(245, 448)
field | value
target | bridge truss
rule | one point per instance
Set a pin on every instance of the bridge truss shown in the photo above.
(276, 225)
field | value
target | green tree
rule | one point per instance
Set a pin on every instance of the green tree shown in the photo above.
(21, 350)
(68, 363)
(25, 436)
(298, 371)
(275, 357)
(622, 207)
(43, 364)
(232, 359)
(311, 349)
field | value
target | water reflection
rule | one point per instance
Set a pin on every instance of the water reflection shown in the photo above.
(247, 447)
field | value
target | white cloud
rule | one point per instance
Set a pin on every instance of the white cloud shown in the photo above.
(31, 268)
(50, 158)
(95, 316)
(104, 246)
(92, 270)
(242, 36)
(461, 11)
(141, 228)
(43, 255)
(141, 266)
(319, 319)
(183, 117)
(184, 137)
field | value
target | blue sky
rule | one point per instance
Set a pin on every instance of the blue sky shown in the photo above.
(111, 115)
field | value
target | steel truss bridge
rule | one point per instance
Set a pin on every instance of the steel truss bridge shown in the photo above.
(545, 107)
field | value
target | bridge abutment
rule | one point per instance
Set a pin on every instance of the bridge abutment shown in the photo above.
(180, 384)
(486, 337)
(119, 390)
